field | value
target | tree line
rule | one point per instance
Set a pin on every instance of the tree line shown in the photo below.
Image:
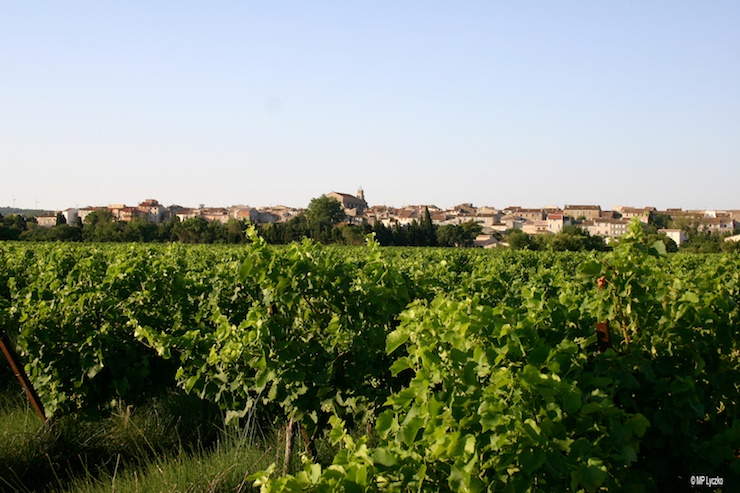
(325, 221)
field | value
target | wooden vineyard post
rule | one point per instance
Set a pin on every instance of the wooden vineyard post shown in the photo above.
(602, 336)
(288, 445)
(278, 442)
(308, 443)
(20, 374)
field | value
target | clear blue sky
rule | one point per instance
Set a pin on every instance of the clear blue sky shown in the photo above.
(496, 103)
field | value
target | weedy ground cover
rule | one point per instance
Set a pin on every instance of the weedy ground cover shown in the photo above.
(36, 456)
(174, 443)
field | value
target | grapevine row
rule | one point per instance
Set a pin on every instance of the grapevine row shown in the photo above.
(478, 370)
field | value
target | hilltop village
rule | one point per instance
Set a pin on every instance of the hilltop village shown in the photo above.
(609, 224)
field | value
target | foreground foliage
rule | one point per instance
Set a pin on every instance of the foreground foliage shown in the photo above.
(479, 370)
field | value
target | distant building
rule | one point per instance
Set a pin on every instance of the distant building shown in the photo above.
(717, 224)
(536, 227)
(644, 214)
(556, 221)
(485, 241)
(46, 221)
(678, 236)
(407, 216)
(440, 218)
(353, 205)
(218, 214)
(70, 216)
(500, 227)
(242, 213)
(128, 214)
(155, 212)
(735, 214)
(486, 221)
(584, 211)
(611, 215)
(485, 210)
(608, 228)
(278, 213)
(86, 211)
(185, 213)
(512, 221)
(464, 210)
(269, 217)
(531, 214)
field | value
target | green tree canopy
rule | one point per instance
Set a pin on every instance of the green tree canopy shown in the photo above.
(324, 210)
(519, 240)
(452, 235)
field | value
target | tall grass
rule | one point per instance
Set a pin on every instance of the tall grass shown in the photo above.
(18, 423)
(224, 468)
(175, 443)
(36, 457)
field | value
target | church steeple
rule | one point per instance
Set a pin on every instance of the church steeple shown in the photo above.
(360, 194)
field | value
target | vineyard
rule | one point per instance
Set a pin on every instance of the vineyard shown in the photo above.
(429, 369)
